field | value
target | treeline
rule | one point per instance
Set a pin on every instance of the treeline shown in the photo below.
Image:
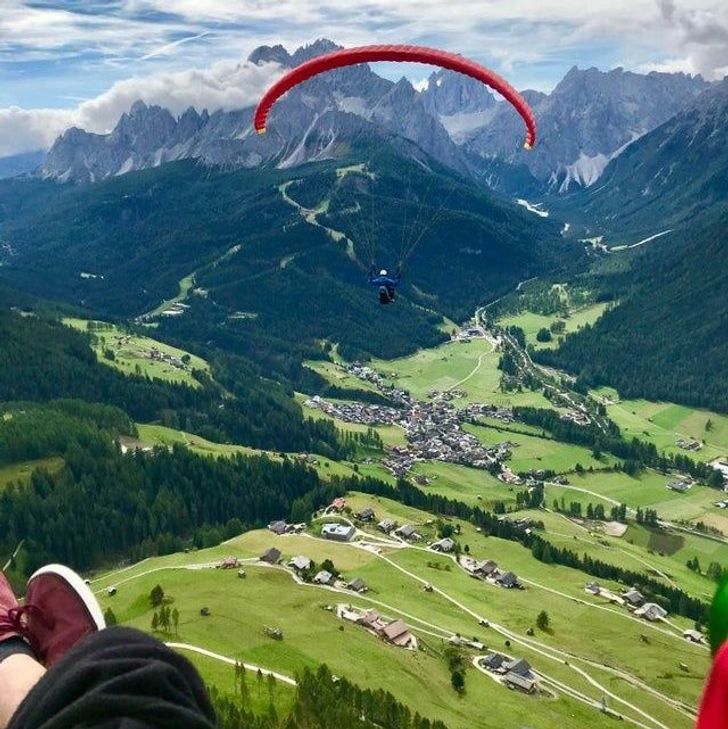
(103, 505)
(42, 360)
(635, 453)
(673, 599)
(30, 431)
(322, 702)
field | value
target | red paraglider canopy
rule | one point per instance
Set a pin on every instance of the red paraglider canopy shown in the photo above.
(413, 54)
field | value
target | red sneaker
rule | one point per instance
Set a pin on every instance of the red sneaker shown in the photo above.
(10, 612)
(60, 609)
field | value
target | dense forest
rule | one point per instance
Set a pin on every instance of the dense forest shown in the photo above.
(272, 282)
(40, 359)
(103, 505)
(667, 340)
(322, 702)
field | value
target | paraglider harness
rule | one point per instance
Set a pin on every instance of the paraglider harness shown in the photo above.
(387, 284)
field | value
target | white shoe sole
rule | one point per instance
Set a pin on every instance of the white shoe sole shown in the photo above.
(77, 584)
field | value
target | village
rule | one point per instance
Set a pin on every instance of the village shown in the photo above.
(432, 428)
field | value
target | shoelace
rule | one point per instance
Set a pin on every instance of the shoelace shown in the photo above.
(13, 620)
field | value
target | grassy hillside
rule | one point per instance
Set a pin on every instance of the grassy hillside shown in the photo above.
(312, 634)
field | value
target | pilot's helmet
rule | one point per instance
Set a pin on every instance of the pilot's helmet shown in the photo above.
(383, 272)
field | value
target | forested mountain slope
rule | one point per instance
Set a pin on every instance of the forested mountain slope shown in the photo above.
(668, 339)
(271, 279)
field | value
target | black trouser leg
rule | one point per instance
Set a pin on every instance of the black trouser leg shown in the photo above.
(118, 677)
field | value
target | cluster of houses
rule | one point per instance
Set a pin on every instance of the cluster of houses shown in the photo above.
(515, 673)
(394, 632)
(489, 571)
(367, 374)
(689, 444)
(467, 333)
(356, 412)
(635, 601)
(432, 428)
(579, 417)
(158, 356)
(301, 565)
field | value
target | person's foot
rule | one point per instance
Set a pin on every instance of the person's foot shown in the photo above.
(60, 610)
(10, 612)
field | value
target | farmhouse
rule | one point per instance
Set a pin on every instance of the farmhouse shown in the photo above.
(278, 527)
(522, 683)
(398, 634)
(365, 514)
(357, 585)
(694, 636)
(228, 563)
(406, 531)
(593, 588)
(444, 545)
(518, 665)
(651, 611)
(271, 556)
(680, 486)
(485, 568)
(508, 580)
(338, 504)
(634, 598)
(386, 525)
(324, 577)
(493, 661)
(300, 563)
(338, 532)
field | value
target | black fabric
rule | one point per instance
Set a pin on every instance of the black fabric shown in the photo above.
(118, 678)
(13, 647)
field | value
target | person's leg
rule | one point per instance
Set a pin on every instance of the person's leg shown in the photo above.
(19, 670)
(19, 673)
(118, 677)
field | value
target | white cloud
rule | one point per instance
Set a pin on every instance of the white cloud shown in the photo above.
(225, 85)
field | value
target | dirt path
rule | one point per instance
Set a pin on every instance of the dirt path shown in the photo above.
(232, 661)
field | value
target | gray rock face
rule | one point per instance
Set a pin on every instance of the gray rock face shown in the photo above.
(319, 121)
(588, 119)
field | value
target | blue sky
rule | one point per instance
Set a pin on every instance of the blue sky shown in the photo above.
(72, 56)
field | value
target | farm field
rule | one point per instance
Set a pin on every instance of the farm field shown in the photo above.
(531, 323)
(131, 353)
(21, 472)
(465, 484)
(312, 635)
(533, 452)
(448, 366)
(649, 490)
(663, 423)
(338, 376)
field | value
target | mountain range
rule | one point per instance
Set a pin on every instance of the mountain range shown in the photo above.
(588, 119)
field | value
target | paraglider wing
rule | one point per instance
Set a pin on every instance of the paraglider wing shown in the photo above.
(412, 54)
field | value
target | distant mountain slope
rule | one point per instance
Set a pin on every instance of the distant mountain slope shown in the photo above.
(676, 173)
(122, 246)
(584, 122)
(18, 164)
(668, 340)
(317, 122)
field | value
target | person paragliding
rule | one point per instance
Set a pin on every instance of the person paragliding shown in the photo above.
(386, 283)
